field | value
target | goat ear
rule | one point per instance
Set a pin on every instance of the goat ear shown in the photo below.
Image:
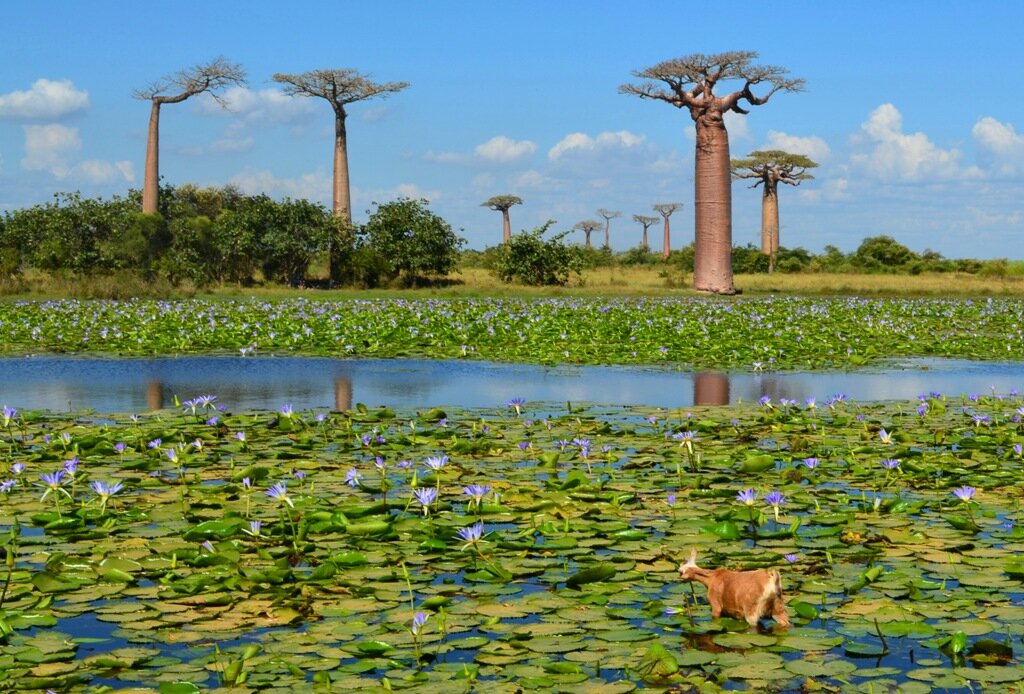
(692, 561)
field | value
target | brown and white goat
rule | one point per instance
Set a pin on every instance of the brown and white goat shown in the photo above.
(747, 595)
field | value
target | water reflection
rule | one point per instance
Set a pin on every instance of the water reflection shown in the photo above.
(67, 383)
(710, 388)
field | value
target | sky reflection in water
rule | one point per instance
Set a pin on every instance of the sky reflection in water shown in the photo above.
(242, 383)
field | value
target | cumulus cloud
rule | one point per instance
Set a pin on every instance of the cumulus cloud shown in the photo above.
(892, 155)
(1000, 143)
(503, 149)
(50, 148)
(311, 186)
(46, 100)
(259, 105)
(532, 179)
(812, 146)
(47, 148)
(96, 171)
(411, 191)
(581, 142)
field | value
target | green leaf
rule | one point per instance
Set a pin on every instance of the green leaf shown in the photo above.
(593, 574)
(374, 648)
(757, 463)
(726, 530)
(48, 583)
(178, 688)
(213, 530)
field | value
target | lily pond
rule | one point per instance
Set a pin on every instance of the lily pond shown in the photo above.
(526, 545)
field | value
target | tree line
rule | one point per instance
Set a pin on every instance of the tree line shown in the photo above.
(207, 236)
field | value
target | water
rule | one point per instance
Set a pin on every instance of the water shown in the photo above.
(242, 383)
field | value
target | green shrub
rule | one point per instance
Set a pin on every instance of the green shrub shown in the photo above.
(530, 259)
(414, 242)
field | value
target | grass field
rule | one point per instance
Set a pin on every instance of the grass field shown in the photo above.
(602, 281)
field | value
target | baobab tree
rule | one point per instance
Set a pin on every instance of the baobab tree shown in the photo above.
(608, 216)
(208, 78)
(501, 203)
(588, 227)
(340, 87)
(647, 222)
(770, 168)
(666, 209)
(690, 82)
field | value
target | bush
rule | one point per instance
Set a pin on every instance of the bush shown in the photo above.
(638, 256)
(529, 259)
(877, 253)
(414, 242)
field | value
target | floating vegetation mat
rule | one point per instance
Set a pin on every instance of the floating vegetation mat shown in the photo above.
(706, 332)
(530, 547)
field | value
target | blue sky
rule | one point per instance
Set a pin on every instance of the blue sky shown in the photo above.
(913, 110)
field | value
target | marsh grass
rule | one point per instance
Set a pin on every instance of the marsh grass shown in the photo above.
(631, 281)
(614, 280)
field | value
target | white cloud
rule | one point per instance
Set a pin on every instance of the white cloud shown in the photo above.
(892, 155)
(262, 105)
(737, 125)
(812, 146)
(413, 192)
(311, 186)
(581, 142)
(503, 149)
(985, 217)
(47, 147)
(532, 179)
(1001, 143)
(46, 100)
(374, 114)
(96, 171)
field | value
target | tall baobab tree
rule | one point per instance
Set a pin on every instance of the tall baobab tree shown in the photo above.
(666, 209)
(501, 203)
(608, 216)
(770, 168)
(647, 222)
(690, 82)
(210, 78)
(588, 227)
(339, 87)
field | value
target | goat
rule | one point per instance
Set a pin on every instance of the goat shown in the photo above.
(747, 595)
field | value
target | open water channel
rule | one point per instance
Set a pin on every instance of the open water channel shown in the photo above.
(256, 383)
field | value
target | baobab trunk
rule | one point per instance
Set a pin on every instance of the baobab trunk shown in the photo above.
(506, 226)
(666, 244)
(151, 177)
(713, 208)
(770, 226)
(342, 205)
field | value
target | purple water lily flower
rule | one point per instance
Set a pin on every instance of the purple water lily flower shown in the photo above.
(471, 534)
(964, 493)
(279, 493)
(426, 496)
(436, 462)
(418, 620)
(747, 496)
(352, 477)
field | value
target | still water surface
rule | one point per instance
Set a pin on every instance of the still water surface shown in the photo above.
(242, 383)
